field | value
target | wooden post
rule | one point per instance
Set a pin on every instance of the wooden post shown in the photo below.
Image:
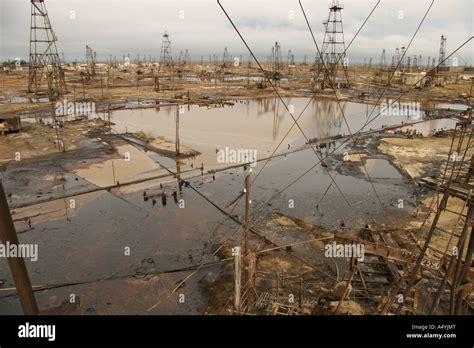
(277, 285)
(301, 292)
(252, 268)
(113, 172)
(178, 176)
(238, 277)
(108, 118)
(177, 130)
(247, 217)
(16, 264)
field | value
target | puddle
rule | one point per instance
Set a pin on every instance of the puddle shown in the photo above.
(381, 168)
(91, 244)
(257, 124)
(132, 165)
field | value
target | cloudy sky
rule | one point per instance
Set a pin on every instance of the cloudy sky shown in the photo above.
(121, 27)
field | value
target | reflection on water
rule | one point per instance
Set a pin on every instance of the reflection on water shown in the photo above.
(380, 168)
(258, 124)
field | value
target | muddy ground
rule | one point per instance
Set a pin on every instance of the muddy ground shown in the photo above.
(86, 206)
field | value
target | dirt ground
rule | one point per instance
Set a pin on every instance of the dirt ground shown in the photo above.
(38, 145)
(417, 157)
(119, 83)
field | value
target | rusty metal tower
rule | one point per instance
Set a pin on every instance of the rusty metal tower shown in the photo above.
(383, 60)
(440, 274)
(291, 58)
(276, 58)
(91, 60)
(46, 76)
(225, 58)
(395, 59)
(442, 52)
(165, 57)
(333, 49)
(187, 57)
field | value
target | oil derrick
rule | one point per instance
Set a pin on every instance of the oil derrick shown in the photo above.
(90, 60)
(276, 59)
(46, 75)
(428, 62)
(370, 63)
(290, 58)
(333, 49)
(165, 57)
(225, 58)
(442, 54)
(439, 274)
(395, 59)
(383, 60)
(402, 59)
(187, 58)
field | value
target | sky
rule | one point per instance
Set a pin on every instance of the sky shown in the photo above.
(121, 27)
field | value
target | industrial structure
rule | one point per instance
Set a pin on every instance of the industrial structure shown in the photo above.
(333, 51)
(46, 76)
(166, 57)
(91, 61)
(405, 270)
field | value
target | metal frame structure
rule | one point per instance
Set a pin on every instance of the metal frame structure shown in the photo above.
(166, 58)
(91, 60)
(436, 269)
(333, 48)
(46, 76)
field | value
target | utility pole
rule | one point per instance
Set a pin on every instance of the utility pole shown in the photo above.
(238, 277)
(247, 217)
(177, 130)
(16, 264)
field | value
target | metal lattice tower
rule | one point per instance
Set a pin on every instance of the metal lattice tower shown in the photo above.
(91, 60)
(225, 58)
(291, 58)
(333, 49)
(442, 52)
(165, 57)
(187, 58)
(276, 57)
(402, 59)
(46, 75)
(395, 58)
(383, 60)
